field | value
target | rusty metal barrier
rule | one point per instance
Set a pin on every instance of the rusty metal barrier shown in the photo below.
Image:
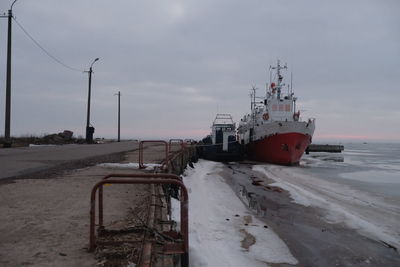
(168, 164)
(169, 248)
(135, 176)
(179, 141)
(141, 165)
(189, 141)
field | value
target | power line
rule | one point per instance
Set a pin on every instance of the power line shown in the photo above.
(44, 50)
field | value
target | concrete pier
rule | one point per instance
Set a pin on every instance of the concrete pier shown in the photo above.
(324, 148)
(45, 193)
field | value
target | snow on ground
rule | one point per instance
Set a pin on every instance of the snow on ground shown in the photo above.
(34, 145)
(369, 215)
(218, 235)
(130, 165)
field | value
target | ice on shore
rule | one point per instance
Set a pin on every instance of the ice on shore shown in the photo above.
(359, 210)
(389, 176)
(217, 225)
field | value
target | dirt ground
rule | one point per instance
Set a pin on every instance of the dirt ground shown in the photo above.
(45, 222)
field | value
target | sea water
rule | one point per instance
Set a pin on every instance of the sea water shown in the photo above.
(369, 167)
(359, 187)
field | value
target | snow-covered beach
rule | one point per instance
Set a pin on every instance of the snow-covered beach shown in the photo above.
(320, 219)
(223, 232)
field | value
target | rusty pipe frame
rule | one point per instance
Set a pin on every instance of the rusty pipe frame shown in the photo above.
(135, 176)
(169, 161)
(184, 208)
(145, 257)
(166, 164)
(179, 141)
(141, 165)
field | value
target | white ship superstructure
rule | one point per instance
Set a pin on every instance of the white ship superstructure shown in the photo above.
(274, 130)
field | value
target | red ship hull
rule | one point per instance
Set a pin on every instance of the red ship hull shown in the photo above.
(284, 149)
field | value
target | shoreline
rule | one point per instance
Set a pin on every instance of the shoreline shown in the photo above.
(310, 238)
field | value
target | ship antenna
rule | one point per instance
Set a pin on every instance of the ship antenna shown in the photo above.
(268, 84)
(278, 71)
(251, 100)
(291, 82)
(252, 96)
(253, 88)
(270, 75)
(253, 103)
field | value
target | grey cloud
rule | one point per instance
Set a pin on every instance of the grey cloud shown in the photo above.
(344, 52)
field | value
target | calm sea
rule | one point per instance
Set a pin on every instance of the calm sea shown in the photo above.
(370, 167)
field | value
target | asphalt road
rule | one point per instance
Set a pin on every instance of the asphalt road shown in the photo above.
(21, 161)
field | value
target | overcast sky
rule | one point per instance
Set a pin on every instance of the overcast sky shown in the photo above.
(177, 63)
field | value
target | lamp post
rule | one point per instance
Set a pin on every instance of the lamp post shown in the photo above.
(89, 129)
(7, 128)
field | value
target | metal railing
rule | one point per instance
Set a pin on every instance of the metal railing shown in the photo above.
(174, 161)
(141, 146)
(178, 141)
(156, 178)
(134, 176)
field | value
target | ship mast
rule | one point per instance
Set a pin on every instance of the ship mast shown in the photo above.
(279, 85)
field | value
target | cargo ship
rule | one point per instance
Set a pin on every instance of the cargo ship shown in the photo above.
(274, 130)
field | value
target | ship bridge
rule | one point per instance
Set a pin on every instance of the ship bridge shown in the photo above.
(280, 109)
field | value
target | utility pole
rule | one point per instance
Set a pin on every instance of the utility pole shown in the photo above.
(89, 129)
(88, 139)
(7, 128)
(119, 116)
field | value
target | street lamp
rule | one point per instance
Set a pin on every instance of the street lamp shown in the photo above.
(89, 128)
(7, 128)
